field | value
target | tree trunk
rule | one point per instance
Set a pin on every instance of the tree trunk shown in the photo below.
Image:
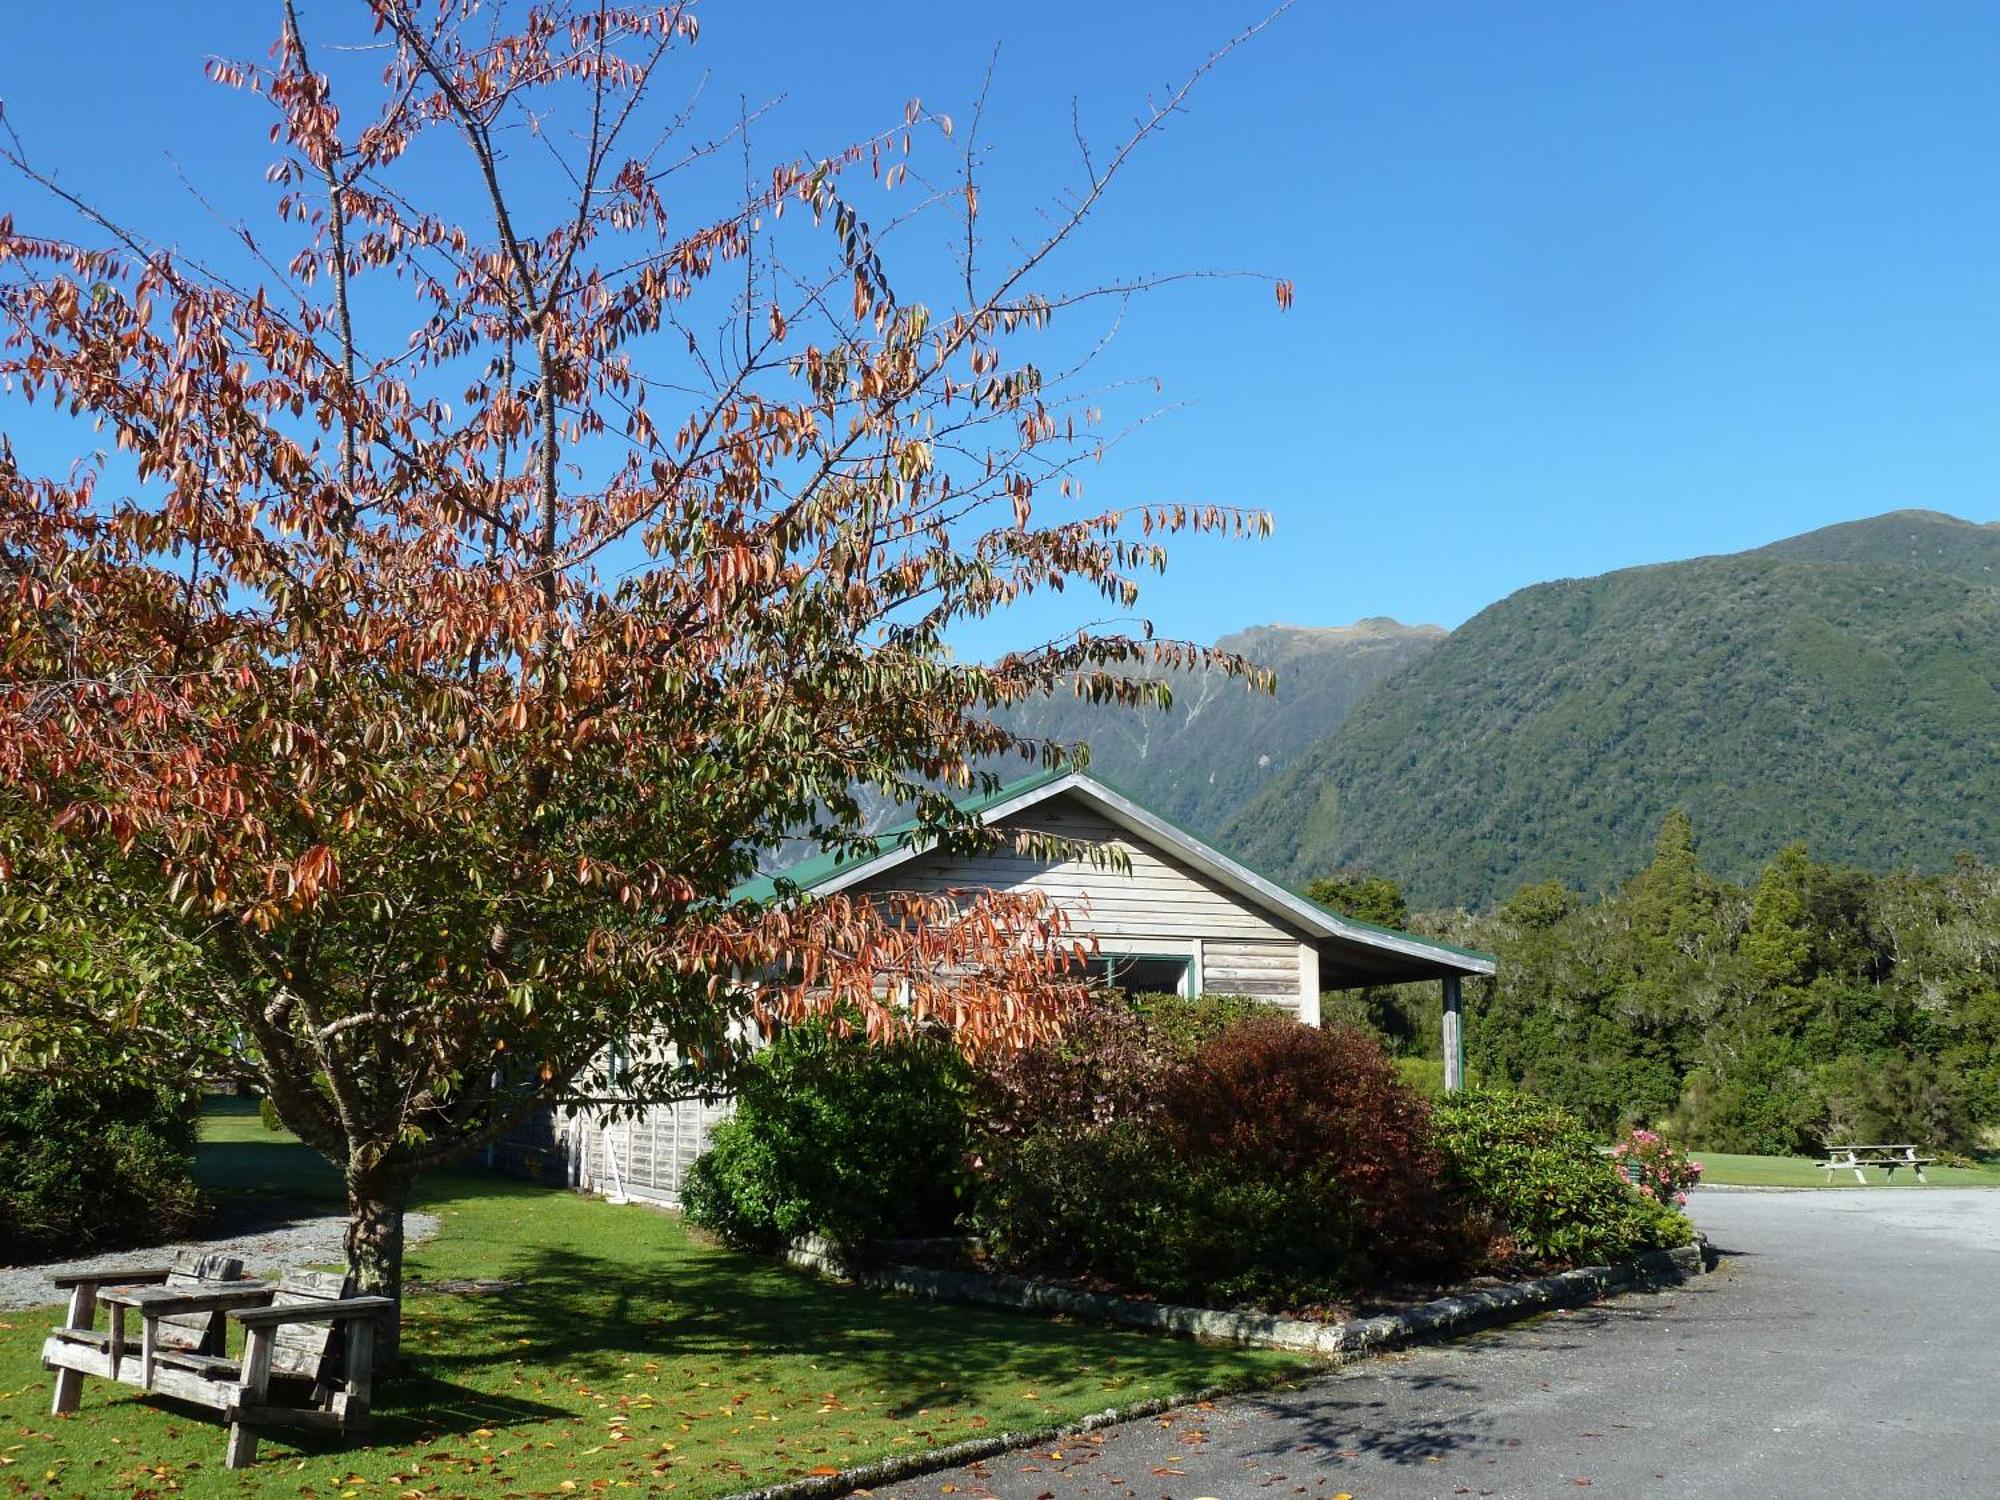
(375, 1204)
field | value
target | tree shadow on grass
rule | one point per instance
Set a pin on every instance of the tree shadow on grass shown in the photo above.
(420, 1408)
(413, 1409)
(589, 1315)
(277, 1165)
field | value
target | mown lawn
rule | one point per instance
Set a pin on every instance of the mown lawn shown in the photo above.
(1727, 1170)
(630, 1357)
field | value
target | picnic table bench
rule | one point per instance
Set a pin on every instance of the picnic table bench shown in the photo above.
(308, 1350)
(179, 1319)
(1888, 1157)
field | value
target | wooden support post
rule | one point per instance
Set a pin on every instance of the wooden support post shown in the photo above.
(1309, 984)
(357, 1402)
(1454, 1039)
(82, 1314)
(69, 1392)
(117, 1337)
(258, 1347)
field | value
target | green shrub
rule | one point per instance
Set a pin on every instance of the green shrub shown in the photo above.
(1182, 1025)
(1115, 1205)
(836, 1137)
(1536, 1171)
(87, 1166)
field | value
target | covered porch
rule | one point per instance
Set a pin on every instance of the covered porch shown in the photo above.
(1372, 956)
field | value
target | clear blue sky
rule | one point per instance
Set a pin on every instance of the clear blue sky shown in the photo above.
(1579, 286)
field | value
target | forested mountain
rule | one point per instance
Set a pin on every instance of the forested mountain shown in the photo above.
(1924, 539)
(1839, 687)
(1221, 742)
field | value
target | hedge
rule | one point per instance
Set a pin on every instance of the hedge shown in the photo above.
(88, 1166)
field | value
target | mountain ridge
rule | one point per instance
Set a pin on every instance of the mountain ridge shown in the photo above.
(1842, 686)
(1221, 741)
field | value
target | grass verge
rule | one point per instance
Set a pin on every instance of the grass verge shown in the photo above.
(1725, 1169)
(629, 1357)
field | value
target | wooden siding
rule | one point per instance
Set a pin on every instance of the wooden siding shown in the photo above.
(1157, 905)
(654, 1151)
(1158, 896)
(1265, 970)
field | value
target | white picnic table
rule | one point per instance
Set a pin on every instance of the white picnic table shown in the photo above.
(1887, 1158)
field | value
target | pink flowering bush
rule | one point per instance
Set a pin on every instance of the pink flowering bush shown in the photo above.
(1653, 1166)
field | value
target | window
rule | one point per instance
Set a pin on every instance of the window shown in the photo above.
(1143, 973)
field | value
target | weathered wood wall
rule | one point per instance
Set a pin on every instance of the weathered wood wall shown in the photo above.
(1158, 896)
(646, 1157)
(1155, 904)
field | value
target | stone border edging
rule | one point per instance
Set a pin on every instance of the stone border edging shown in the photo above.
(1443, 1318)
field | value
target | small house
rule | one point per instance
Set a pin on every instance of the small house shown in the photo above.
(1168, 913)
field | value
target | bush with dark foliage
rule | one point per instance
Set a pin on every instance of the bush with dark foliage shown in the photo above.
(88, 1166)
(1251, 1161)
(1304, 1104)
(1207, 1151)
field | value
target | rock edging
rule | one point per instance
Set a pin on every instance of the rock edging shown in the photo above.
(1443, 1318)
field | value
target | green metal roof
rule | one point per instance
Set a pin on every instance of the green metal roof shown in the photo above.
(1462, 952)
(816, 871)
(819, 869)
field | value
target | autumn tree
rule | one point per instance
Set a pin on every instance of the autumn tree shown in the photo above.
(462, 602)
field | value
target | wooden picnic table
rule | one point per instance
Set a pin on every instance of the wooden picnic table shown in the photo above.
(153, 1302)
(308, 1346)
(1886, 1157)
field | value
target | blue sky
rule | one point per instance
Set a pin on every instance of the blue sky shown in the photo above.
(1579, 286)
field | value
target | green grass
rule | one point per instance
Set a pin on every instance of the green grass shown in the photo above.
(239, 1156)
(1426, 1075)
(1727, 1170)
(631, 1357)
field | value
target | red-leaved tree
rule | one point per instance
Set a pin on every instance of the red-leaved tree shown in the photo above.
(460, 606)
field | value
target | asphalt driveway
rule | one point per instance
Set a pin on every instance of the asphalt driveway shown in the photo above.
(1849, 1345)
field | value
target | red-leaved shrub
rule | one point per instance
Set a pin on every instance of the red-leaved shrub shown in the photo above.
(1109, 1065)
(1290, 1102)
(1211, 1152)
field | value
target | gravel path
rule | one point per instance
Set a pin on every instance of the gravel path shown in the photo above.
(1847, 1347)
(270, 1235)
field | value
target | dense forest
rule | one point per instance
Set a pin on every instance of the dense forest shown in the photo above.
(1816, 1003)
(1842, 687)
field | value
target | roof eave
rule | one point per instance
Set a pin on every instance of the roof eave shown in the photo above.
(1314, 920)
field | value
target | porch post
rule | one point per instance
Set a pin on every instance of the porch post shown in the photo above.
(1454, 1040)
